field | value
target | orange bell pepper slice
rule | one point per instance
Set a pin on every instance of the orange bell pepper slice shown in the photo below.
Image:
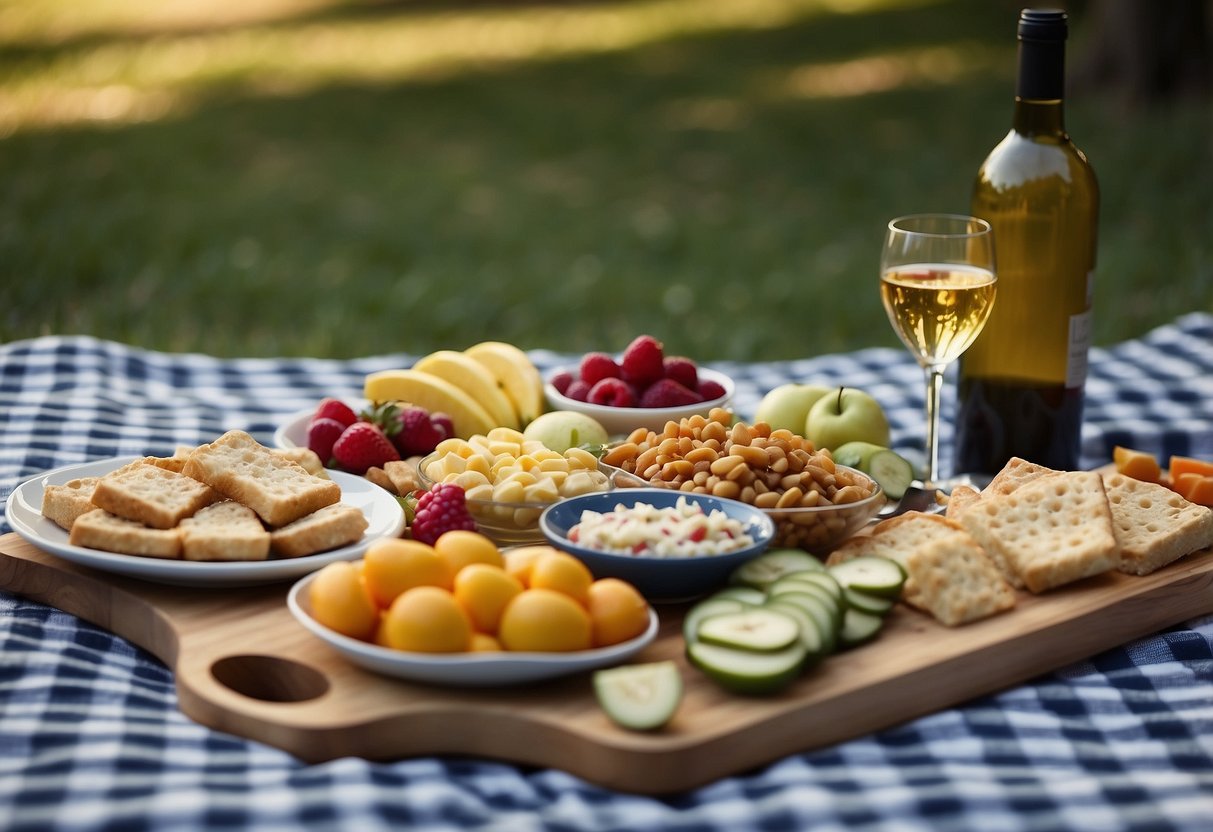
(1138, 465)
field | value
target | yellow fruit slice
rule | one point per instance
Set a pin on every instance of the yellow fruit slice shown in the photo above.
(515, 374)
(473, 378)
(432, 393)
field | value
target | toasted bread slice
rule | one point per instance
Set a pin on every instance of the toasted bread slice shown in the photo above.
(62, 504)
(98, 529)
(326, 528)
(244, 470)
(957, 582)
(151, 495)
(1153, 525)
(1048, 532)
(224, 531)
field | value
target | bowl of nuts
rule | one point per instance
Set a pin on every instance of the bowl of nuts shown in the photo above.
(814, 503)
(508, 480)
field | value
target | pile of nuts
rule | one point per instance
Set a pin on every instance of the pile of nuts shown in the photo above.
(774, 470)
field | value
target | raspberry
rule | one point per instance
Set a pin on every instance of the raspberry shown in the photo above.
(441, 509)
(561, 381)
(336, 410)
(321, 434)
(668, 393)
(596, 366)
(643, 362)
(362, 446)
(710, 390)
(578, 391)
(418, 434)
(612, 392)
(683, 371)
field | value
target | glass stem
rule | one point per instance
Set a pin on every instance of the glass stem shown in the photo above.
(934, 376)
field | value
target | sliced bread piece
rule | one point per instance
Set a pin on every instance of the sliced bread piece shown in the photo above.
(326, 528)
(244, 470)
(1153, 525)
(956, 581)
(1050, 531)
(151, 495)
(62, 504)
(224, 531)
(98, 529)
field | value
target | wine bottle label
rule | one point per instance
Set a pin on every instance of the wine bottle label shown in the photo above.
(1079, 346)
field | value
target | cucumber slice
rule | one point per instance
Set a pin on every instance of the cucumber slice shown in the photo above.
(867, 602)
(822, 610)
(708, 607)
(870, 573)
(757, 629)
(835, 604)
(810, 633)
(746, 671)
(858, 627)
(746, 594)
(825, 580)
(772, 565)
(892, 471)
(642, 697)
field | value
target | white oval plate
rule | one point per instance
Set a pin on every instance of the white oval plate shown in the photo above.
(293, 432)
(463, 669)
(24, 513)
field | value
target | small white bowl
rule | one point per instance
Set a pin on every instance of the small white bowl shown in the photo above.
(620, 421)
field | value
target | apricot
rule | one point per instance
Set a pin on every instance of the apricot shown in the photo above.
(392, 565)
(484, 590)
(484, 643)
(427, 619)
(341, 602)
(544, 620)
(618, 612)
(520, 561)
(564, 573)
(459, 548)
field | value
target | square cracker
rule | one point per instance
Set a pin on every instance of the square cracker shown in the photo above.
(957, 582)
(1016, 473)
(1050, 531)
(149, 494)
(1154, 525)
(62, 504)
(224, 531)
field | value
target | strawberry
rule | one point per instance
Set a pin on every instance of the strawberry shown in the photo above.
(363, 445)
(643, 361)
(682, 370)
(337, 410)
(441, 509)
(612, 392)
(710, 390)
(419, 433)
(668, 393)
(322, 432)
(595, 366)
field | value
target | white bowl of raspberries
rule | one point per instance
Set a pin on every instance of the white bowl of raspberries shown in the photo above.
(642, 388)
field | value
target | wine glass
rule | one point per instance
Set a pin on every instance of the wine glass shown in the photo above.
(937, 282)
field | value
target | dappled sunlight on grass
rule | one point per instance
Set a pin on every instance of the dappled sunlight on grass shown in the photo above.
(924, 66)
(127, 62)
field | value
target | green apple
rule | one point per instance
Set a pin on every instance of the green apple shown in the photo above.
(564, 429)
(846, 415)
(788, 405)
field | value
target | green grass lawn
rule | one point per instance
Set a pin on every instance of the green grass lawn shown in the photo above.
(340, 179)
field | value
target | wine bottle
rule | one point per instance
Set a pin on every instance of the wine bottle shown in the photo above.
(1020, 386)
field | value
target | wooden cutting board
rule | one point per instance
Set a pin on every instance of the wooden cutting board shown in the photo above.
(245, 666)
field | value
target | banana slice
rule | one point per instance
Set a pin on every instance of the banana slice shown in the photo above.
(515, 375)
(473, 378)
(432, 393)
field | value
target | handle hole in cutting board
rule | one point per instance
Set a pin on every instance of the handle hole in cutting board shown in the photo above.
(269, 678)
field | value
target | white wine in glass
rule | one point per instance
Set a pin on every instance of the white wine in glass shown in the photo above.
(937, 282)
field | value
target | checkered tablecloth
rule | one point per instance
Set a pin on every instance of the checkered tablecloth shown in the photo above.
(91, 738)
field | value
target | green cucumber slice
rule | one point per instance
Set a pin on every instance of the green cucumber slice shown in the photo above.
(708, 607)
(756, 629)
(747, 671)
(747, 594)
(641, 697)
(870, 573)
(825, 580)
(858, 627)
(772, 565)
(824, 613)
(867, 602)
(810, 633)
(892, 471)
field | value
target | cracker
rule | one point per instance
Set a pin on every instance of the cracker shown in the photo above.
(98, 529)
(1050, 531)
(151, 495)
(959, 501)
(224, 531)
(1015, 473)
(957, 582)
(1154, 525)
(403, 475)
(325, 529)
(62, 504)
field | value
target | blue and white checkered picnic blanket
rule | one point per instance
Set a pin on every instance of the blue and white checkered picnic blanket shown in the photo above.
(91, 738)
